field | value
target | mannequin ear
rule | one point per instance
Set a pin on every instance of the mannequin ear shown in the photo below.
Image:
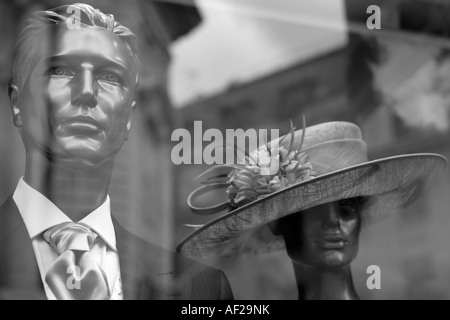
(15, 106)
(130, 119)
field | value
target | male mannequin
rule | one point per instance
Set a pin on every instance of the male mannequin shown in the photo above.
(71, 93)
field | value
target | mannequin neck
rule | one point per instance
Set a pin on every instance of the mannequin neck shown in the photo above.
(320, 284)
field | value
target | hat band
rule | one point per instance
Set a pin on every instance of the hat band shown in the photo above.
(324, 158)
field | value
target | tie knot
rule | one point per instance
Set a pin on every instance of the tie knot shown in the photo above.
(70, 236)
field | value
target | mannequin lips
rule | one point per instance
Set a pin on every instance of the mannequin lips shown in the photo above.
(82, 125)
(332, 242)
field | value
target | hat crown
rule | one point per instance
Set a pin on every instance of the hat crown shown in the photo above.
(330, 146)
(323, 132)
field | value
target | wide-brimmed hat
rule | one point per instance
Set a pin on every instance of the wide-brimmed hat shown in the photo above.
(320, 164)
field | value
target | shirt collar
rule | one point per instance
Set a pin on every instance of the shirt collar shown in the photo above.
(39, 214)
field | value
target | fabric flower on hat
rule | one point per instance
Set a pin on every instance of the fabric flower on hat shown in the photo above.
(250, 181)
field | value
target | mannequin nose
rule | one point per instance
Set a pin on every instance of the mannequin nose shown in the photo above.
(331, 217)
(85, 94)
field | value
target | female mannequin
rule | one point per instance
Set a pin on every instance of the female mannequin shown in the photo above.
(322, 241)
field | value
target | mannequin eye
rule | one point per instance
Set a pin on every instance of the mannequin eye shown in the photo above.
(110, 77)
(59, 71)
(352, 203)
(348, 203)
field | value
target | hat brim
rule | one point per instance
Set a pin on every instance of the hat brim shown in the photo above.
(390, 183)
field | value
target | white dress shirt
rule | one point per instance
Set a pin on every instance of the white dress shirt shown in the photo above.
(39, 214)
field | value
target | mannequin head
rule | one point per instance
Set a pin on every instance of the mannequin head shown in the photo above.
(72, 89)
(325, 236)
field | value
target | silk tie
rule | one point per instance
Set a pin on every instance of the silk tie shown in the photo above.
(75, 275)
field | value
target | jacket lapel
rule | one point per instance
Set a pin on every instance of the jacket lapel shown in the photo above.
(19, 272)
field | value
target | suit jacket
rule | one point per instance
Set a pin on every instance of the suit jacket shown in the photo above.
(148, 271)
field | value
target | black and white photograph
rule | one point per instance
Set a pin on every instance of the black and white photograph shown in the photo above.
(245, 152)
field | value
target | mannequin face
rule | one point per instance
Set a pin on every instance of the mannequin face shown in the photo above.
(76, 106)
(325, 236)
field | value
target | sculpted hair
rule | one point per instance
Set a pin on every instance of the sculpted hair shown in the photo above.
(42, 21)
